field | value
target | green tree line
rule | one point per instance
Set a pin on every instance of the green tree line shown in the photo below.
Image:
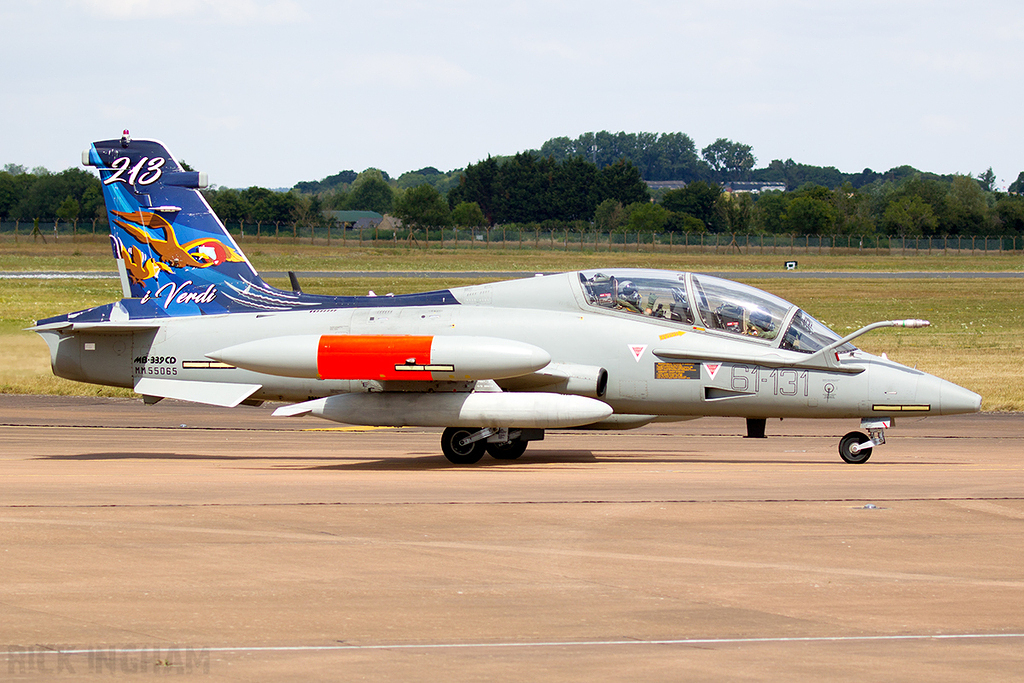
(674, 156)
(916, 206)
(574, 194)
(595, 181)
(70, 195)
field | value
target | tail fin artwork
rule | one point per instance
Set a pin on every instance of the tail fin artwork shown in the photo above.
(171, 248)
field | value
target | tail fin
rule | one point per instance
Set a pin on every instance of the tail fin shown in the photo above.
(170, 246)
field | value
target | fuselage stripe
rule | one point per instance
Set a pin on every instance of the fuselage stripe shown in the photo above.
(886, 408)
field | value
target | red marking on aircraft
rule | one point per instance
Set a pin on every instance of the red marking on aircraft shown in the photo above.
(373, 357)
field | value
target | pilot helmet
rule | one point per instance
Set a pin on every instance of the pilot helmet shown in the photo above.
(629, 294)
(762, 320)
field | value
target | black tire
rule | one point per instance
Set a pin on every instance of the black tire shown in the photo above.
(847, 455)
(461, 455)
(510, 450)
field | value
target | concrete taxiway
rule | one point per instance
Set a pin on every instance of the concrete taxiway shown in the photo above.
(231, 545)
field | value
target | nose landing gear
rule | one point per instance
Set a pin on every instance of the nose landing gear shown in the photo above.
(856, 447)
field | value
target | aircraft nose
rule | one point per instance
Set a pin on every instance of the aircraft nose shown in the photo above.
(954, 399)
(947, 398)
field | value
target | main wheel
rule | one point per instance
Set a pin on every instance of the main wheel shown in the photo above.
(459, 454)
(848, 455)
(510, 450)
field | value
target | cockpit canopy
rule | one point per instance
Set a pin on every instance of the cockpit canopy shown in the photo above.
(708, 302)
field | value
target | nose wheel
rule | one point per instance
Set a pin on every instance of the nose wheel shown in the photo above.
(856, 447)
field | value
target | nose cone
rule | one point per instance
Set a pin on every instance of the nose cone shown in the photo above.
(945, 397)
(897, 389)
(954, 399)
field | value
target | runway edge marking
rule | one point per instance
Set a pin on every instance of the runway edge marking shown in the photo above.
(542, 644)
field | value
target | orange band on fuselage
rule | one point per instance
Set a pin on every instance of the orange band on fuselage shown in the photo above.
(372, 356)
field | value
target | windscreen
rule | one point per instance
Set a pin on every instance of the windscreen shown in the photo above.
(807, 335)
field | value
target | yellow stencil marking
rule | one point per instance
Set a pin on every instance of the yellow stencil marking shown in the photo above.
(347, 429)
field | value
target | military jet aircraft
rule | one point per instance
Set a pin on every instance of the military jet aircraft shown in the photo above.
(495, 364)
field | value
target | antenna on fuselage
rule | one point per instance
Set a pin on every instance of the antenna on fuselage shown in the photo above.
(295, 282)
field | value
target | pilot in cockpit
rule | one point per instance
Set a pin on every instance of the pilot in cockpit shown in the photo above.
(676, 308)
(628, 298)
(755, 322)
(759, 324)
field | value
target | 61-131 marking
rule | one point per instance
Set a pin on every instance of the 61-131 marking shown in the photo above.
(783, 381)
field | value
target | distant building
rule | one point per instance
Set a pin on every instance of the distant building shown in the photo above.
(356, 219)
(753, 187)
(390, 223)
(665, 184)
(732, 186)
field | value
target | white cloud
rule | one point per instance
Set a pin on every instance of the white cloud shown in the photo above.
(942, 124)
(116, 111)
(555, 49)
(230, 123)
(405, 71)
(220, 11)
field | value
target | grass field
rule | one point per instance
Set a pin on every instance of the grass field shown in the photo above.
(94, 254)
(975, 339)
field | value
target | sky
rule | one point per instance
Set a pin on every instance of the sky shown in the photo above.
(272, 92)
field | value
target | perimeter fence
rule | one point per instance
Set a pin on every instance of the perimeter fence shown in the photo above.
(515, 238)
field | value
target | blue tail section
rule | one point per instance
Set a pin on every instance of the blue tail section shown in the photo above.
(174, 255)
(170, 246)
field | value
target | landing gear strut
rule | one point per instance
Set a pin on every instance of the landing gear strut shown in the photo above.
(756, 427)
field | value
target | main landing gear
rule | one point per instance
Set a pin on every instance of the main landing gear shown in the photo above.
(855, 448)
(466, 445)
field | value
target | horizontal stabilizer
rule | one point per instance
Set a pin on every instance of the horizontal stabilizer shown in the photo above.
(212, 393)
(99, 328)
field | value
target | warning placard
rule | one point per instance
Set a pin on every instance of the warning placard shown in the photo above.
(677, 371)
